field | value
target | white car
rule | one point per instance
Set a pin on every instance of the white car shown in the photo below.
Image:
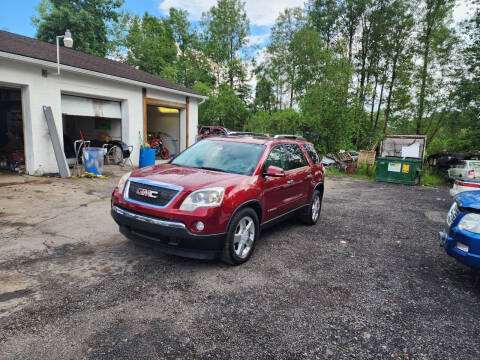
(465, 169)
(464, 185)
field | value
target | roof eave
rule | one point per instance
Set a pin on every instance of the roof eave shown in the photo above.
(50, 64)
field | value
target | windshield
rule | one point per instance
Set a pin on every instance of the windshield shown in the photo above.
(475, 165)
(225, 156)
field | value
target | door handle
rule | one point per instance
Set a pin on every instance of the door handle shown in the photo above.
(290, 182)
(309, 176)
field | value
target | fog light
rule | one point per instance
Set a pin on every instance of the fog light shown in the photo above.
(199, 226)
(462, 247)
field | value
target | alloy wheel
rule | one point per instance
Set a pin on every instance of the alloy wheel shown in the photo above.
(244, 237)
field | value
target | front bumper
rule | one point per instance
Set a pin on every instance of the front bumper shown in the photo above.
(169, 236)
(450, 244)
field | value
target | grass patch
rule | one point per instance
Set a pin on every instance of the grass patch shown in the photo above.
(363, 171)
(431, 177)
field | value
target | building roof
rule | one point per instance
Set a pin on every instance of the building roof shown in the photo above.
(41, 50)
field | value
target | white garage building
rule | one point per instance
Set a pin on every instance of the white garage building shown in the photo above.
(98, 96)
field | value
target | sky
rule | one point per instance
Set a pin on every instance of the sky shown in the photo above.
(15, 15)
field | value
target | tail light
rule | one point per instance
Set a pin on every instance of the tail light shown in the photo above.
(471, 173)
(467, 184)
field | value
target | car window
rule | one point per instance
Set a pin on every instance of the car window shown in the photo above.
(205, 131)
(218, 132)
(224, 156)
(475, 165)
(295, 157)
(312, 153)
(277, 157)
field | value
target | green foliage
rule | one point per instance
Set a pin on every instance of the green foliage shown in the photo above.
(285, 121)
(363, 171)
(88, 20)
(225, 30)
(224, 108)
(151, 46)
(432, 177)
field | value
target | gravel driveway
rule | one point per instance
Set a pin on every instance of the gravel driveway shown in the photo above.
(368, 281)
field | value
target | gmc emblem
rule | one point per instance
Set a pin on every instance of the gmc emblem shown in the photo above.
(147, 193)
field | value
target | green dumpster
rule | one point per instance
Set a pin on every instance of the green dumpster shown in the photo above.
(399, 170)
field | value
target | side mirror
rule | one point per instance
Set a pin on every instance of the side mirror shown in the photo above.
(274, 171)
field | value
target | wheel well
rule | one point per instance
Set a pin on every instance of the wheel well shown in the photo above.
(254, 204)
(320, 188)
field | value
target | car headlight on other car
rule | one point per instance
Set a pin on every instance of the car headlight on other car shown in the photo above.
(203, 198)
(123, 181)
(470, 222)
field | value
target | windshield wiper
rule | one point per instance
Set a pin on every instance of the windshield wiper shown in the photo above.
(211, 168)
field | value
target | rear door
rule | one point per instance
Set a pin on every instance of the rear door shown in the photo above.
(298, 176)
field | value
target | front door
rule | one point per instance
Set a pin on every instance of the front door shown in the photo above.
(275, 188)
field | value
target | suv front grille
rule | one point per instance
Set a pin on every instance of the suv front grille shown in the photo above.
(150, 194)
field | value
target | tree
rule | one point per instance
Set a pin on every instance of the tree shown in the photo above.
(223, 108)
(281, 64)
(434, 46)
(225, 30)
(88, 20)
(191, 64)
(264, 97)
(151, 46)
(324, 16)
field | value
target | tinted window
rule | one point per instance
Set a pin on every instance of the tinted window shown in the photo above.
(312, 153)
(294, 156)
(225, 156)
(205, 131)
(218, 132)
(277, 157)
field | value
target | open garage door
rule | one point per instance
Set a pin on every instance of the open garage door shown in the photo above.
(99, 120)
(163, 123)
(11, 130)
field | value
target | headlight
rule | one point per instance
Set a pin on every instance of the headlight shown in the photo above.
(123, 181)
(470, 222)
(203, 198)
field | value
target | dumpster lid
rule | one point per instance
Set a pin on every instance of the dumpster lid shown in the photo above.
(404, 146)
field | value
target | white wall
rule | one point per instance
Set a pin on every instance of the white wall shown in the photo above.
(38, 90)
(193, 121)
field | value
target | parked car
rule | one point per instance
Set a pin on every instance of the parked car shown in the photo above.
(464, 185)
(461, 237)
(216, 196)
(207, 131)
(465, 169)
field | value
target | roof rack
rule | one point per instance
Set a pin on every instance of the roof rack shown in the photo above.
(286, 136)
(246, 133)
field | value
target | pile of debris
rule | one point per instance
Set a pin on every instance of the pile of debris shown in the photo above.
(343, 160)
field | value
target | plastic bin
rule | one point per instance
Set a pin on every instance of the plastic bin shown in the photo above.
(147, 157)
(93, 160)
(399, 170)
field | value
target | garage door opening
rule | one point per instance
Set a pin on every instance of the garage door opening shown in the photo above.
(99, 121)
(12, 143)
(164, 123)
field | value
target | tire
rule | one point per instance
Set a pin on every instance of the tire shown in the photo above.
(231, 253)
(311, 216)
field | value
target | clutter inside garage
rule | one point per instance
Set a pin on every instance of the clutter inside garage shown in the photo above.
(11, 131)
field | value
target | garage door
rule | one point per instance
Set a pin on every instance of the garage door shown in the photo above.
(82, 106)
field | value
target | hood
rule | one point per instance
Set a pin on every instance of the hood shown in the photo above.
(469, 200)
(186, 177)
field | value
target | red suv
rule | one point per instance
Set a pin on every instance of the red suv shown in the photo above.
(215, 197)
